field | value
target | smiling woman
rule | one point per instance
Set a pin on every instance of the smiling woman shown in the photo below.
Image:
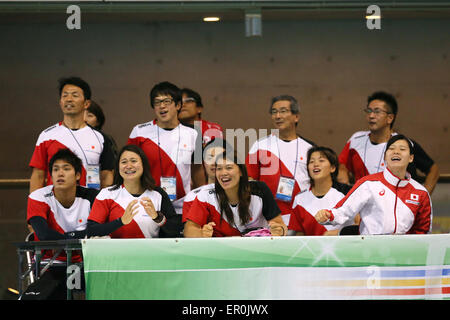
(324, 193)
(389, 202)
(134, 207)
(233, 206)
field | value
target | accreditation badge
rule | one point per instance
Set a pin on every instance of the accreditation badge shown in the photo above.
(169, 185)
(93, 176)
(285, 189)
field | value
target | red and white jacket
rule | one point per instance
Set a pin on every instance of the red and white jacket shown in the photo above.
(270, 158)
(387, 205)
(111, 203)
(205, 208)
(190, 197)
(87, 143)
(169, 153)
(306, 205)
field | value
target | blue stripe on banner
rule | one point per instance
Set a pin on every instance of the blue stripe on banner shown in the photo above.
(415, 273)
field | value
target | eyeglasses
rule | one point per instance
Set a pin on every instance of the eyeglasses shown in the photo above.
(188, 100)
(376, 111)
(282, 111)
(164, 102)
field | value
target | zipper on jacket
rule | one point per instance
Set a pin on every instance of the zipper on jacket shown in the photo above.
(395, 206)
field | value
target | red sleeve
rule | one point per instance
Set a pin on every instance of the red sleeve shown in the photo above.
(295, 221)
(100, 211)
(136, 141)
(198, 213)
(251, 162)
(186, 207)
(422, 220)
(40, 159)
(37, 209)
(343, 157)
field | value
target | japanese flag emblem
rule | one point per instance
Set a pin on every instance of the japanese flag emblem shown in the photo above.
(414, 197)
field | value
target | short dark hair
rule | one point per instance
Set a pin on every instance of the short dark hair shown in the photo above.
(147, 181)
(387, 98)
(397, 137)
(295, 107)
(165, 88)
(77, 82)
(194, 95)
(97, 111)
(331, 157)
(68, 156)
(217, 142)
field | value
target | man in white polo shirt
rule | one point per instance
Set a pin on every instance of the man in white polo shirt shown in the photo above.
(169, 145)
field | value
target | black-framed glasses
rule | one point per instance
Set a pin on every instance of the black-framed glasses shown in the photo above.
(165, 102)
(376, 111)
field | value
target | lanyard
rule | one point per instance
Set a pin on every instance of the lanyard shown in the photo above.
(76, 140)
(279, 158)
(178, 149)
(381, 158)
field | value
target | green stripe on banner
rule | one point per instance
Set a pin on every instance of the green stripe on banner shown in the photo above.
(254, 268)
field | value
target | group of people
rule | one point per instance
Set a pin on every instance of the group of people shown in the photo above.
(82, 185)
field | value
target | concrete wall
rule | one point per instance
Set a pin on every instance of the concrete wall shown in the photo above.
(331, 66)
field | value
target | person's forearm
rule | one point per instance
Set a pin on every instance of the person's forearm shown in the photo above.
(198, 176)
(431, 179)
(343, 174)
(103, 229)
(37, 179)
(106, 178)
(191, 230)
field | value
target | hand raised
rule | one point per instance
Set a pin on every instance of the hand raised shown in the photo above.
(131, 210)
(149, 207)
(208, 229)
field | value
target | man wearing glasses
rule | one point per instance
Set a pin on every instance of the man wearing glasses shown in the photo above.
(169, 145)
(279, 159)
(364, 152)
(191, 115)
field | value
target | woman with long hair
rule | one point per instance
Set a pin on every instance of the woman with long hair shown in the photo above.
(210, 151)
(325, 192)
(233, 206)
(134, 207)
(389, 202)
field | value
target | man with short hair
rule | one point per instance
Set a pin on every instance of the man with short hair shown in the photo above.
(364, 152)
(191, 115)
(169, 145)
(280, 161)
(60, 211)
(56, 212)
(73, 133)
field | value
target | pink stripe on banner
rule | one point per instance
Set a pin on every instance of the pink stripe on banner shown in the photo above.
(399, 292)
